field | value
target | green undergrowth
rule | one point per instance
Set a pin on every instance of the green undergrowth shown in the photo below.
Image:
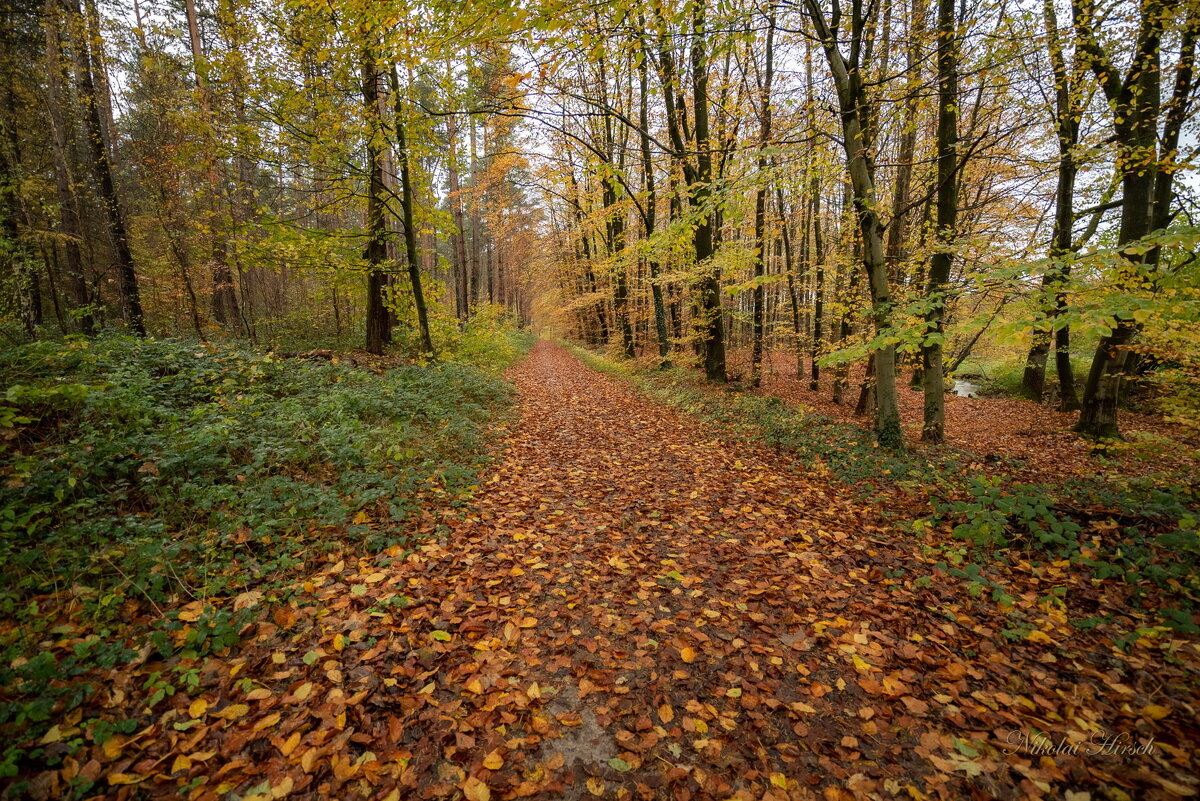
(1139, 531)
(137, 475)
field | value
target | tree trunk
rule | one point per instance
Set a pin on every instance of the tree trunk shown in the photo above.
(814, 383)
(410, 229)
(458, 236)
(934, 428)
(379, 330)
(68, 209)
(760, 203)
(855, 106)
(224, 292)
(789, 270)
(1135, 104)
(127, 282)
(1061, 246)
(656, 290)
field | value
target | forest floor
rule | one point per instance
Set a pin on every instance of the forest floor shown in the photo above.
(638, 607)
(1039, 436)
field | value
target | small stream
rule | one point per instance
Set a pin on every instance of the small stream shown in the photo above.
(966, 389)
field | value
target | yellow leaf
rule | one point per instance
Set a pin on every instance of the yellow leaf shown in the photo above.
(52, 736)
(860, 663)
(1155, 712)
(779, 780)
(267, 722)
(375, 578)
(1038, 636)
(595, 786)
(113, 745)
(198, 707)
(474, 686)
(339, 642)
(126, 778)
(493, 761)
(734, 692)
(687, 654)
(233, 711)
(303, 691)
(258, 694)
(476, 790)
(283, 788)
(528, 623)
(289, 745)
(181, 763)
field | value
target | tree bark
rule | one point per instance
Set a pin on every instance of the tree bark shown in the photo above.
(410, 229)
(818, 287)
(127, 282)
(64, 184)
(933, 429)
(1135, 102)
(656, 291)
(224, 292)
(1061, 246)
(378, 323)
(760, 203)
(855, 108)
(712, 323)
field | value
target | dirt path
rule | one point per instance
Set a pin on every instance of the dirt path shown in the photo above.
(637, 609)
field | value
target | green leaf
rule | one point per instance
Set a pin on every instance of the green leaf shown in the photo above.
(441, 636)
(965, 748)
(618, 764)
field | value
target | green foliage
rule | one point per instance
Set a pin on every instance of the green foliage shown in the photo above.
(996, 515)
(147, 471)
(147, 466)
(488, 340)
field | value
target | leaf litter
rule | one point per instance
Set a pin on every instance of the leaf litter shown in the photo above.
(634, 607)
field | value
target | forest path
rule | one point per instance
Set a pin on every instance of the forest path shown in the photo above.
(634, 607)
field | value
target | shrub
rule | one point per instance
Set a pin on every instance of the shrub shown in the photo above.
(137, 467)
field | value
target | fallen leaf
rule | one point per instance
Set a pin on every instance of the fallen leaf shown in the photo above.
(475, 790)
